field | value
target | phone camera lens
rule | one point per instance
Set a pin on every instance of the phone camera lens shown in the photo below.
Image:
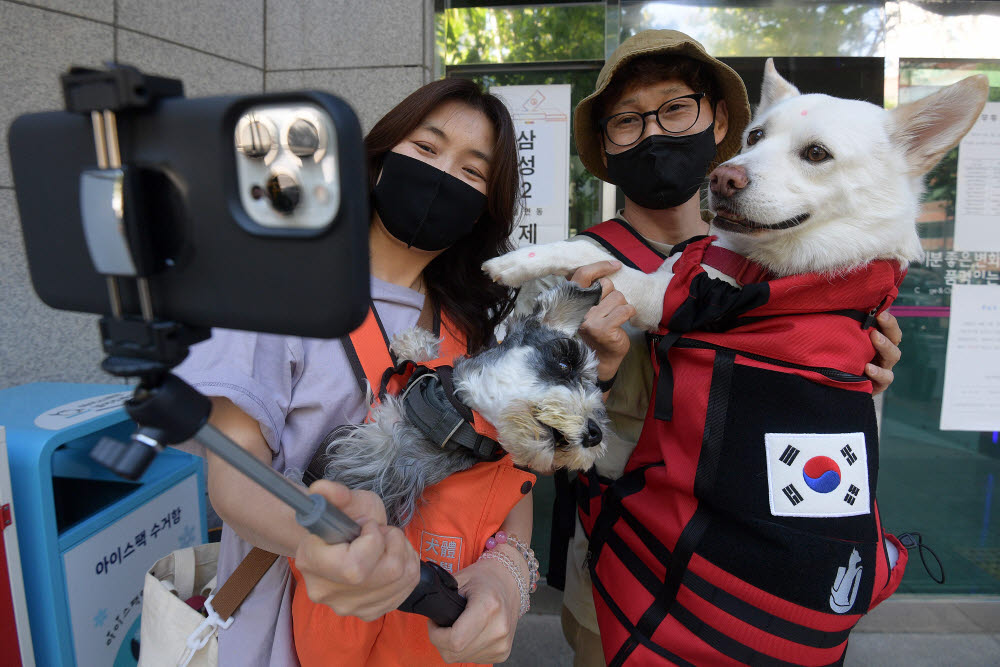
(284, 192)
(254, 140)
(303, 138)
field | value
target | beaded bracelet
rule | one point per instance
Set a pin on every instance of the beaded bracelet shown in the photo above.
(515, 571)
(502, 537)
(529, 557)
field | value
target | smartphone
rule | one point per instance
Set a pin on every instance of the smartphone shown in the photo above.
(244, 212)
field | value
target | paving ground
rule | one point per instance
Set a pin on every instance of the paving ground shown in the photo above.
(907, 630)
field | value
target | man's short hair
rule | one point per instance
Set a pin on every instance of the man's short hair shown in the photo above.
(651, 69)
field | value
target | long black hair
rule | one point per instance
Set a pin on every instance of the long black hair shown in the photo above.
(454, 280)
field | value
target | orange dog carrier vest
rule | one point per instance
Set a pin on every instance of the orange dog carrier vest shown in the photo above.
(450, 527)
(745, 529)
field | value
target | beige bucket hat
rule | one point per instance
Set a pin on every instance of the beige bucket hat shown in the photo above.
(650, 42)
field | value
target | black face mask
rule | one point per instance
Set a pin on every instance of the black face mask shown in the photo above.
(424, 207)
(663, 171)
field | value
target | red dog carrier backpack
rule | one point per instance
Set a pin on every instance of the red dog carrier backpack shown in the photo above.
(744, 529)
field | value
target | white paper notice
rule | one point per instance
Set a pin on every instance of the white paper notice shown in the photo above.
(977, 201)
(541, 123)
(971, 400)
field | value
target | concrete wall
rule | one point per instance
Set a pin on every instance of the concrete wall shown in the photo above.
(370, 52)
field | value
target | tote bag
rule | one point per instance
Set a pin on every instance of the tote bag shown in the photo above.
(171, 633)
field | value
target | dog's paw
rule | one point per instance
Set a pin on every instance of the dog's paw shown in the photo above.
(525, 264)
(516, 268)
(415, 344)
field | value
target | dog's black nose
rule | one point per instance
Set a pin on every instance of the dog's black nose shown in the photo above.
(594, 434)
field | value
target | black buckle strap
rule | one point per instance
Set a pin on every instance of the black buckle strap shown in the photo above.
(587, 487)
(611, 508)
(664, 408)
(870, 319)
(431, 408)
(563, 527)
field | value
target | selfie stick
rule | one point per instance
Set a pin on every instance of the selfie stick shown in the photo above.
(174, 412)
(167, 409)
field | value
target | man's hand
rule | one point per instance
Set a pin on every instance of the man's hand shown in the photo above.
(484, 632)
(886, 339)
(367, 577)
(602, 328)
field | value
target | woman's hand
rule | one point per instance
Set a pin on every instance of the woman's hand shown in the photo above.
(366, 577)
(886, 339)
(484, 632)
(602, 328)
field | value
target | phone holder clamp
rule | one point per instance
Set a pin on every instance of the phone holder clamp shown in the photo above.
(167, 409)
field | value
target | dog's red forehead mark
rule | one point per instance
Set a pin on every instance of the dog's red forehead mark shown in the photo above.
(804, 112)
(531, 254)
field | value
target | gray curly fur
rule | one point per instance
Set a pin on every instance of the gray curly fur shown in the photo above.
(391, 458)
(516, 386)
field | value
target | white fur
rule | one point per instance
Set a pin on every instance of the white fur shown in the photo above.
(415, 344)
(565, 257)
(862, 203)
(522, 407)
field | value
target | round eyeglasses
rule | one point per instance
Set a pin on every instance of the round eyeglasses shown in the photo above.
(673, 116)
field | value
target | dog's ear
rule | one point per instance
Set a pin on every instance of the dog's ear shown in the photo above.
(563, 308)
(931, 126)
(775, 87)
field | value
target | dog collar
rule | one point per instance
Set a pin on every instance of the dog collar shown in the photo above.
(430, 405)
(735, 265)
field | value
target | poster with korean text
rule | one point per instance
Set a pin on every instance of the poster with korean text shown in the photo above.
(971, 397)
(977, 201)
(541, 117)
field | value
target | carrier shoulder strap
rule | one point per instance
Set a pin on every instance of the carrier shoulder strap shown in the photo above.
(368, 352)
(453, 343)
(627, 245)
(243, 579)
(373, 361)
(735, 265)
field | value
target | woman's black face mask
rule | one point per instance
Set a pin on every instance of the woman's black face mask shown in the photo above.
(663, 171)
(422, 206)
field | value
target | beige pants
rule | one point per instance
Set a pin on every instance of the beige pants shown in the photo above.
(586, 645)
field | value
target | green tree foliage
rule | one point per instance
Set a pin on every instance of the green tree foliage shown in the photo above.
(780, 29)
(517, 35)
(942, 182)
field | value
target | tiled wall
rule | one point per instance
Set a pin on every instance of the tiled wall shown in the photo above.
(370, 52)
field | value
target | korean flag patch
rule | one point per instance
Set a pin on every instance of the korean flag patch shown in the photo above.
(817, 474)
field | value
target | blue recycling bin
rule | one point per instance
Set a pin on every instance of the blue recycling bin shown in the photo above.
(87, 536)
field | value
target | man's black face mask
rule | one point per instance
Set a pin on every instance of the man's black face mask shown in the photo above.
(422, 206)
(663, 171)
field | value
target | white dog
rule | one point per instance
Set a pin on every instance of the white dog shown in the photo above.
(821, 185)
(757, 491)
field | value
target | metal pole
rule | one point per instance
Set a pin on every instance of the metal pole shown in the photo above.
(312, 511)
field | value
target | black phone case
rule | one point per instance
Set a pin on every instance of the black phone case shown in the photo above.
(213, 266)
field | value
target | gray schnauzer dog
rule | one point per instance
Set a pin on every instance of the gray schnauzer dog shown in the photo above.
(537, 388)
